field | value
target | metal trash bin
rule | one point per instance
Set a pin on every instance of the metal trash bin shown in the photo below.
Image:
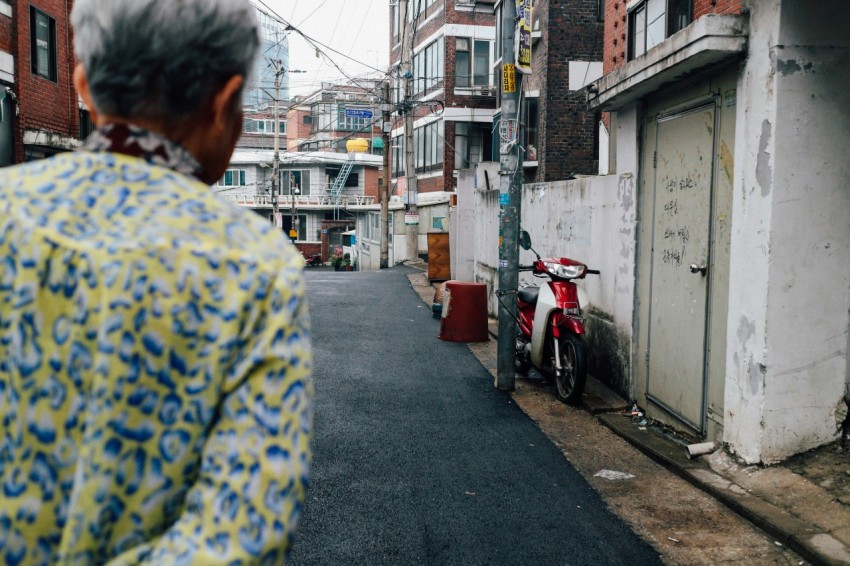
(464, 317)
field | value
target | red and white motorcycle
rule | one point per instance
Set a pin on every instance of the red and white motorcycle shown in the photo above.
(550, 325)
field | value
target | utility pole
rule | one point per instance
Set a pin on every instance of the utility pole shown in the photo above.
(385, 187)
(409, 161)
(510, 190)
(278, 71)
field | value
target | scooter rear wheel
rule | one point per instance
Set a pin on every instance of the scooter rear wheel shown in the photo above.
(571, 378)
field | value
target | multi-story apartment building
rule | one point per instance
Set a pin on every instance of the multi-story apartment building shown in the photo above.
(39, 111)
(330, 160)
(559, 137)
(453, 89)
(274, 56)
(334, 114)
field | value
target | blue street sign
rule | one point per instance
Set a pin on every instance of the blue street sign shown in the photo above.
(355, 113)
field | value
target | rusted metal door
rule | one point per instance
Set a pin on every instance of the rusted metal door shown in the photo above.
(683, 179)
(439, 257)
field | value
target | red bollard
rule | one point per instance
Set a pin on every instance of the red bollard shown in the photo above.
(464, 312)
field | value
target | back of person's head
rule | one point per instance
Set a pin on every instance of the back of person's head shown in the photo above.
(162, 59)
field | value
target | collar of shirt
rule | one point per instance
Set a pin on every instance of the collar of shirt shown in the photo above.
(150, 146)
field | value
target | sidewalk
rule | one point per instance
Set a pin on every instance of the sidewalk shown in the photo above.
(803, 503)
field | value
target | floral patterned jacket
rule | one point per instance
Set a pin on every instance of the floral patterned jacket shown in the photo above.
(155, 366)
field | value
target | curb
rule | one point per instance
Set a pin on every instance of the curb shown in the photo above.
(810, 542)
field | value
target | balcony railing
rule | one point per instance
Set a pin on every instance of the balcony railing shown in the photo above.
(301, 201)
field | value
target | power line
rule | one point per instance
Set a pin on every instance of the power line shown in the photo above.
(310, 40)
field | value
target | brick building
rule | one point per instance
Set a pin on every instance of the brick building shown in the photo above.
(334, 114)
(559, 136)
(41, 114)
(454, 89)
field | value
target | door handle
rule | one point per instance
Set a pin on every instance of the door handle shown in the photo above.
(699, 269)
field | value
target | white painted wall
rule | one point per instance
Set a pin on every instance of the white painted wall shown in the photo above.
(592, 220)
(462, 232)
(789, 302)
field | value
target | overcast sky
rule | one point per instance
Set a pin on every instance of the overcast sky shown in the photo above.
(356, 28)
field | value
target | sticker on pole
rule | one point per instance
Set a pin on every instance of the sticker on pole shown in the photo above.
(504, 199)
(507, 130)
(503, 264)
(508, 78)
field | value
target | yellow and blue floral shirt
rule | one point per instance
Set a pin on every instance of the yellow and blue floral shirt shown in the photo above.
(155, 366)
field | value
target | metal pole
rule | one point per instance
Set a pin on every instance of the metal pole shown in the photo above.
(385, 188)
(409, 162)
(276, 160)
(510, 189)
(293, 231)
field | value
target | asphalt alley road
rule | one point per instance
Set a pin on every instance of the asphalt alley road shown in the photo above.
(419, 460)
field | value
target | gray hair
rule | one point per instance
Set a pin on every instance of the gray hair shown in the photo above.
(161, 59)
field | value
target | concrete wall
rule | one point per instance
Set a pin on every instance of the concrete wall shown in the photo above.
(789, 300)
(462, 228)
(592, 220)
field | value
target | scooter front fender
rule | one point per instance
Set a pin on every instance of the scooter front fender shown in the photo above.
(570, 324)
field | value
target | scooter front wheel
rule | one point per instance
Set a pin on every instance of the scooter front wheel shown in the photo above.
(521, 362)
(571, 377)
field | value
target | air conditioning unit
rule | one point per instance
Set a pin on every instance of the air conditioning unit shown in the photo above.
(483, 91)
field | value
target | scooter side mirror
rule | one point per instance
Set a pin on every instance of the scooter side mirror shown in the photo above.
(524, 240)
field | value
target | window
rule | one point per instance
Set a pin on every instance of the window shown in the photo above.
(428, 66)
(472, 63)
(473, 144)
(653, 21)
(499, 31)
(398, 156)
(353, 179)
(262, 126)
(297, 181)
(233, 178)
(287, 221)
(302, 227)
(43, 44)
(530, 129)
(86, 124)
(429, 146)
(351, 123)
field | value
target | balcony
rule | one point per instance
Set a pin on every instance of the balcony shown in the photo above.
(316, 202)
(708, 41)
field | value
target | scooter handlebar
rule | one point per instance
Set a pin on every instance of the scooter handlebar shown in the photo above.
(592, 272)
(525, 267)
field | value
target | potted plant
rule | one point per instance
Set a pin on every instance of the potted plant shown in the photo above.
(346, 262)
(337, 259)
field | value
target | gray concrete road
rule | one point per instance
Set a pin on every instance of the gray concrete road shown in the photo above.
(419, 460)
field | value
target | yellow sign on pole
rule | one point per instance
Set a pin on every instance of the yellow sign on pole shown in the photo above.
(508, 78)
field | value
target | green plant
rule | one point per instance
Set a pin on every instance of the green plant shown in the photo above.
(337, 258)
(346, 260)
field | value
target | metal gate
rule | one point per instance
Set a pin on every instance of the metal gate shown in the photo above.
(680, 265)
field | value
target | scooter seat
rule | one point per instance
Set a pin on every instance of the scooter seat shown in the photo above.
(529, 295)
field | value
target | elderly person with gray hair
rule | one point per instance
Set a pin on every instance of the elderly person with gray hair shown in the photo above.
(155, 366)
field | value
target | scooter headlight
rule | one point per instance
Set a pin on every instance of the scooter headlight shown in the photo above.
(564, 271)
